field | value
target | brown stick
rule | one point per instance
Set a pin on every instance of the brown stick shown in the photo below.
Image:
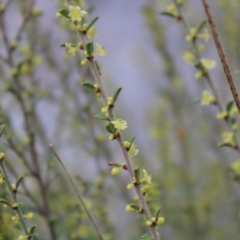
(92, 220)
(221, 55)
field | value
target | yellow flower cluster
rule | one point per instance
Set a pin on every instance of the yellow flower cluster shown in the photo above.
(133, 151)
(207, 98)
(160, 221)
(76, 14)
(228, 138)
(192, 35)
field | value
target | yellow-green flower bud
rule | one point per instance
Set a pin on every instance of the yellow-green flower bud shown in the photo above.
(15, 219)
(160, 221)
(148, 223)
(116, 170)
(128, 208)
(109, 101)
(153, 219)
(14, 187)
(29, 216)
(130, 186)
(15, 205)
(126, 144)
(111, 137)
(58, 15)
(104, 110)
(84, 62)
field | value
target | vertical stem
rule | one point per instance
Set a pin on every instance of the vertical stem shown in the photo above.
(221, 55)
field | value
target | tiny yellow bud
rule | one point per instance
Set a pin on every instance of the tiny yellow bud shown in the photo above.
(111, 137)
(84, 62)
(116, 170)
(14, 187)
(58, 15)
(15, 219)
(109, 101)
(79, 27)
(104, 110)
(126, 144)
(160, 221)
(29, 216)
(199, 75)
(96, 86)
(130, 186)
(15, 205)
(153, 219)
(148, 223)
(128, 208)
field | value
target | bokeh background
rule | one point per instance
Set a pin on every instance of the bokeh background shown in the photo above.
(45, 103)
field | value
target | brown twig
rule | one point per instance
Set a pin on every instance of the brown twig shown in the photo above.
(78, 194)
(221, 55)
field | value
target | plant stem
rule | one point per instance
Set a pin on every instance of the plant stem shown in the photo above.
(78, 194)
(221, 55)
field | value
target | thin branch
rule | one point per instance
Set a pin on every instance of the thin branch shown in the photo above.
(221, 55)
(78, 194)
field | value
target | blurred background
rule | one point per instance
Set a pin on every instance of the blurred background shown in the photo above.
(42, 102)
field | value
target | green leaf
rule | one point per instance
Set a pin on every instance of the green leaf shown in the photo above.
(64, 12)
(101, 116)
(131, 141)
(2, 126)
(135, 207)
(4, 201)
(233, 120)
(146, 236)
(158, 212)
(89, 48)
(34, 237)
(19, 181)
(91, 23)
(88, 85)
(10, 89)
(229, 106)
(98, 68)
(110, 128)
(115, 97)
(201, 26)
(137, 174)
(225, 145)
(200, 66)
(22, 206)
(63, 45)
(32, 229)
(168, 14)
